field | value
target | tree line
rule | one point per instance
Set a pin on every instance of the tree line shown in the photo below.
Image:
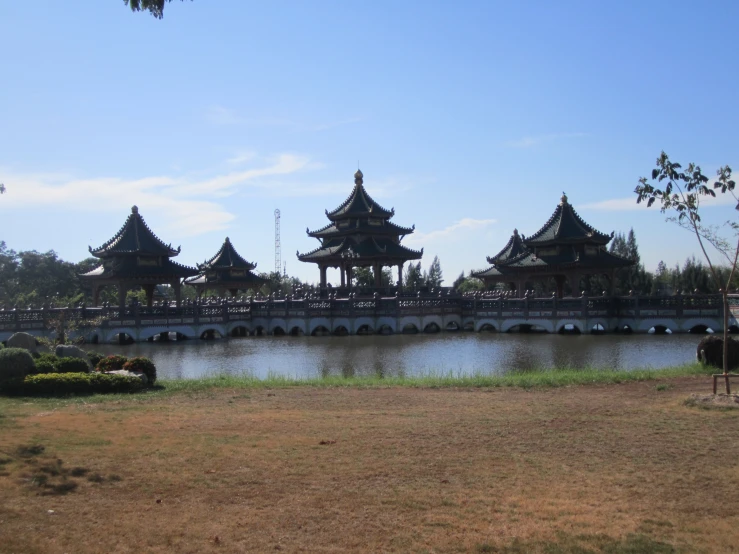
(31, 278)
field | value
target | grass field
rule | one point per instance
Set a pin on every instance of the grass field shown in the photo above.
(616, 466)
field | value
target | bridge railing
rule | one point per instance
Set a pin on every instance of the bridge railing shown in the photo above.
(479, 305)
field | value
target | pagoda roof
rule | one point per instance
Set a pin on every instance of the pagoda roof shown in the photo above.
(566, 226)
(373, 248)
(130, 270)
(361, 226)
(570, 260)
(359, 203)
(227, 257)
(225, 280)
(133, 238)
(512, 249)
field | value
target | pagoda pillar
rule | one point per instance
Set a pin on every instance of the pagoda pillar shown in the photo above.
(378, 274)
(122, 290)
(349, 275)
(177, 286)
(343, 276)
(400, 276)
(574, 279)
(95, 295)
(323, 276)
(560, 280)
(149, 290)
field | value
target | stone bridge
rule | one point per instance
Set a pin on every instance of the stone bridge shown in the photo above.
(376, 315)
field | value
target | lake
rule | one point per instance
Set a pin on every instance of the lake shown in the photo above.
(408, 355)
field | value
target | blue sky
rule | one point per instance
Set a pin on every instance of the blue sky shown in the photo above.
(469, 118)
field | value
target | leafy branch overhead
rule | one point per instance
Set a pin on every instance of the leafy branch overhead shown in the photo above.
(155, 7)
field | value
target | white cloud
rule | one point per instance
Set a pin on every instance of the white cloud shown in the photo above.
(531, 141)
(241, 158)
(452, 232)
(629, 204)
(190, 207)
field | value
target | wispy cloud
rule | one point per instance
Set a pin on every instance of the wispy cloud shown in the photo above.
(535, 140)
(189, 207)
(629, 204)
(241, 158)
(452, 232)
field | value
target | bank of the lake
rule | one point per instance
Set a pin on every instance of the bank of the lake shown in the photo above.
(398, 356)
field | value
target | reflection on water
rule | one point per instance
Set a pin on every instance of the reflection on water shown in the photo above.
(399, 355)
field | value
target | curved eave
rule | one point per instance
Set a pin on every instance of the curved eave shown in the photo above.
(513, 248)
(565, 226)
(359, 203)
(227, 257)
(134, 238)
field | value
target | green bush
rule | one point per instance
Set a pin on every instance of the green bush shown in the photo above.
(144, 365)
(64, 384)
(111, 363)
(44, 366)
(71, 365)
(15, 363)
(95, 358)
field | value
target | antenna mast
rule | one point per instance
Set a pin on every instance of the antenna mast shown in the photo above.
(278, 248)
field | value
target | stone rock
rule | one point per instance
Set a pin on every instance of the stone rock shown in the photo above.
(142, 376)
(71, 351)
(26, 341)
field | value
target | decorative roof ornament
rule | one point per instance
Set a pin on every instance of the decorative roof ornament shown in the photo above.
(563, 200)
(134, 209)
(358, 176)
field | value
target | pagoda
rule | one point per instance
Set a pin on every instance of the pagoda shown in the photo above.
(566, 248)
(135, 256)
(226, 271)
(360, 234)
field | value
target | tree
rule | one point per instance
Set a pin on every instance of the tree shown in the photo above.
(413, 278)
(682, 195)
(155, 7)
(435, 276)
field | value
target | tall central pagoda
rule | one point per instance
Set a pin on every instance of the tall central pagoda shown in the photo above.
(566, 248)
(226, 271)
(360, 234)
(135, 256)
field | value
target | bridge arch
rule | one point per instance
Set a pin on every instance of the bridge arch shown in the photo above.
(317, 322)
(340, 331)
(363, 325)
(297, 327)
(543, 324)
(434, 323)
(569, 327)
(277, 326)
(386, 323)
(341, 326)
(646, 325)
(113, 332)
(692, 325)
(431, 327)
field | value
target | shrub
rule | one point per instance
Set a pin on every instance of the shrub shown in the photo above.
(44, 366)
(95, 358)
(144, 365)
(63, 384)
(15, 363)
(111, 363)
(72, 365)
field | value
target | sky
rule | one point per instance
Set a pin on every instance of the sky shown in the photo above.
(469, 118)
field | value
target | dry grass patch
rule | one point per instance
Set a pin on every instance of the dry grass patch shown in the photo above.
(617, 468)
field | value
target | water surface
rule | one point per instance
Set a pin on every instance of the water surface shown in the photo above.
(409, 355)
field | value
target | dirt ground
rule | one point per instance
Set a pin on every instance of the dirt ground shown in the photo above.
(616, 468)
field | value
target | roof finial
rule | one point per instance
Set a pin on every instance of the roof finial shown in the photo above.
(515, 232)
(134, 209)
(358, 177)
(563, 199)
(228, 240)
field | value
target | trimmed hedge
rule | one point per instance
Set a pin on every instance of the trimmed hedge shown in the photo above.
(71, 365)
(15, 363)
(111, 363)
(144, 365)
(64, 384)
(44, 366)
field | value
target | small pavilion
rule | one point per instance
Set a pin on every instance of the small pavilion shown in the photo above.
(360, 234)
(226, 271)
(135, 256)
(566, 248)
